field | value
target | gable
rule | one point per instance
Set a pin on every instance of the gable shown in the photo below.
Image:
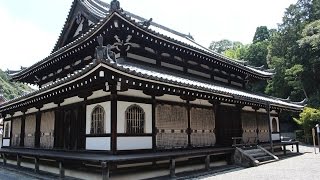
(79, 20)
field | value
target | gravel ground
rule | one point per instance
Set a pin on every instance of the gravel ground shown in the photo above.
(301, 167)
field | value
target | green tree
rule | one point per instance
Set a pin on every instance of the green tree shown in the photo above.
(10, 89)
(238, 51)
(261, 34)
(223, 45)
(308, 119)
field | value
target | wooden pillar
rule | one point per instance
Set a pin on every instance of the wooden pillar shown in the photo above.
(207, 162)
(105, 170)
(36, 165)
(189, 124)
(22, 130)
(4, 159)
(172, 167)
(3, 131)
(297, 145)
(270, 133)
(154, 130)
(61, 170)
(284, 150)
(38, 130)
(257, 124)
(18, 160)
(114, 119)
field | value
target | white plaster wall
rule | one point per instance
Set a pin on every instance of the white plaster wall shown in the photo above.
(167, 97)
(32, 110)
(201, 102)
(19, 113)
(49, 106)
(71, 100)
(247, 108)
(6, 142)
(131, 143)
(107, 116)
(262, 110)
(275, 137)
(98, 143)
(97, 94)
(122, 107)
(227, 104)
(134, 93)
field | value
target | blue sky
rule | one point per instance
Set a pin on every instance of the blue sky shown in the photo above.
(30, 28)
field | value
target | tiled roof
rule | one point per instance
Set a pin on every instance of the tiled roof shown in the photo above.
(164, 77)
(101, 9)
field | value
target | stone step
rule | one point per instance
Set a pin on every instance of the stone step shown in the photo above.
(253, 151)
(264, 158)
(254, 155)
(268, 161)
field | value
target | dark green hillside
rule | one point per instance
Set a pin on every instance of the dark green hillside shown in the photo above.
(10, 89)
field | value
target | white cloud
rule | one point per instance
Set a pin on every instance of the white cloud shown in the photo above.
(23, 43)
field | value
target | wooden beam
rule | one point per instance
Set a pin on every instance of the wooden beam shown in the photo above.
(172, 167)
(105, 171)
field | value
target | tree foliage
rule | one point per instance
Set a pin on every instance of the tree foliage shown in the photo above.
(223, 45)
(262, 33)
(10, 89)
(308, 119)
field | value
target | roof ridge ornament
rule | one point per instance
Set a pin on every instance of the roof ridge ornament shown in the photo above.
(114, 5)
(189, 36)
(103, 52)
(146, 23)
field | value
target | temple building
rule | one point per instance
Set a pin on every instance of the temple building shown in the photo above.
(121, 86)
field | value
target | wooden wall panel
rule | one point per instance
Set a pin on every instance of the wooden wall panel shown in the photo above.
(30, 129)
(171, 123)
(16, 131)
(202, 123)
(249, 127)
(263, 127)
(47, 129)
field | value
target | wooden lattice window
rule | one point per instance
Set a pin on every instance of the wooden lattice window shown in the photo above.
(97, 120)
(135, 118)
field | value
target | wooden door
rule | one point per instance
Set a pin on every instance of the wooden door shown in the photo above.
(70, 128)
(228, 125)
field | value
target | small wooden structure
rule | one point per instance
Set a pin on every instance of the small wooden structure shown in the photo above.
(127, 88)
